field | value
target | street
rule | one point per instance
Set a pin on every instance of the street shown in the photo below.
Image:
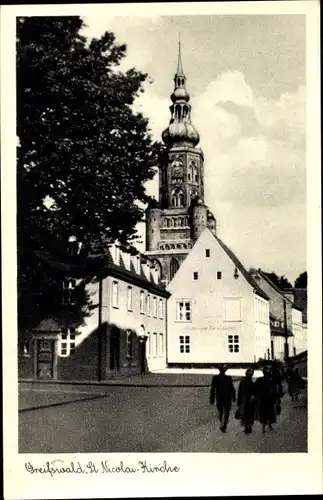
(162, 417)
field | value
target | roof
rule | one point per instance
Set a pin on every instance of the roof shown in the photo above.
(103, 264)
(242, 269)
(273, 285)
(293, 303)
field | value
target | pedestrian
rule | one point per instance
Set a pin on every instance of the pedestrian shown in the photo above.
(246, 401)
(277, 379)
(266, 400)
(296, 383)
(277, 382)
(223, 393)
(288, 378)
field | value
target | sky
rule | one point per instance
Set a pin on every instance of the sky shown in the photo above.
(246, 78)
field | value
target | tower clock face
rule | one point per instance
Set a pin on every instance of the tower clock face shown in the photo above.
(177, 170)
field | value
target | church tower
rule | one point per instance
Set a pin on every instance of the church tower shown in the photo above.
(175, 222)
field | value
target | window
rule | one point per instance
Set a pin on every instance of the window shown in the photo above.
(195, 275)
(161, 309)
(67, 342)
(148, 348)
(219, 275)
(184, 344)
(177, 198)
(190, 172)
(233, 308)
(233, 343)
(148, 304)
(24, 348)
(129, 298)
(69, 285)
(138, 264)
(207, 252)
(142, 302)
(155, 307)
(127, 260)
(184, 312)
(174, 266)
(115, 294)
(129, 344)
(196, 173)
(154, 345)
(161, 344)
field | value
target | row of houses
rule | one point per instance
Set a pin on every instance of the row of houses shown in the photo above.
(127, 321)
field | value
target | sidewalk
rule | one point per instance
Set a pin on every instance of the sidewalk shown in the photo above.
(161, 378)
(40, 394)
(181, 377)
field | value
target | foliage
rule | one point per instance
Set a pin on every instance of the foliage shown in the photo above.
(301, 281)
(83, 155)
(282, 282)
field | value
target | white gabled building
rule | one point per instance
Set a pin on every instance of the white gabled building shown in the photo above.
(216, 312)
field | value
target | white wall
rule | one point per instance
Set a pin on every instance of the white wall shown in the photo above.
(125, 319)
(279, 349)
(298, 331)
(304, 337)
(90, 322)
(262, 328)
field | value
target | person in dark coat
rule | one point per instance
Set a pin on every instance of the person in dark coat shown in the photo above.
(277, 381)
(288, 375)
(246, 401)
(223, 392)
(266, 400)
(296, 383)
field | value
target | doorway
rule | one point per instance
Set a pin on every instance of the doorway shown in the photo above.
(142, 356)
(45, 359)
(115, 349)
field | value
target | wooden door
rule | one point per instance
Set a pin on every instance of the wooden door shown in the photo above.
(46, 359)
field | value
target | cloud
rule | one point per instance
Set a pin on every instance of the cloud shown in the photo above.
(255, 175)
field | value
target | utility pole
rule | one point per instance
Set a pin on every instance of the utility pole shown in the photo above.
(286, 356)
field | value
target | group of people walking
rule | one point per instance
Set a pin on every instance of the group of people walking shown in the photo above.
(259, 400)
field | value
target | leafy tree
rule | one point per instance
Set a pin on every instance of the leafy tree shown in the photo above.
(301, 281)
(83, 155)
(284, 283)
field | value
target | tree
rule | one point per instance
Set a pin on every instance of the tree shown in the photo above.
(84, 154)
(301, 281)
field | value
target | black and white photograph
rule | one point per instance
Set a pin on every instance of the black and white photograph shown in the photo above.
(165, 206)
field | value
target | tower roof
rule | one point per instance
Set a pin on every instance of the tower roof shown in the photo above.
(180, 71)
(180, 130)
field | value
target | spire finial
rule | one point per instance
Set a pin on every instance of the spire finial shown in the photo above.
(179, 62)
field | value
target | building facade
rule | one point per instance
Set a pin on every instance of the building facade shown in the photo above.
(110, 326)
(174, 223)
(216, 312)
(287, 333)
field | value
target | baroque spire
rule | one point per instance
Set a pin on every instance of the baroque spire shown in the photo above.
(180, 71)
(180, 130)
